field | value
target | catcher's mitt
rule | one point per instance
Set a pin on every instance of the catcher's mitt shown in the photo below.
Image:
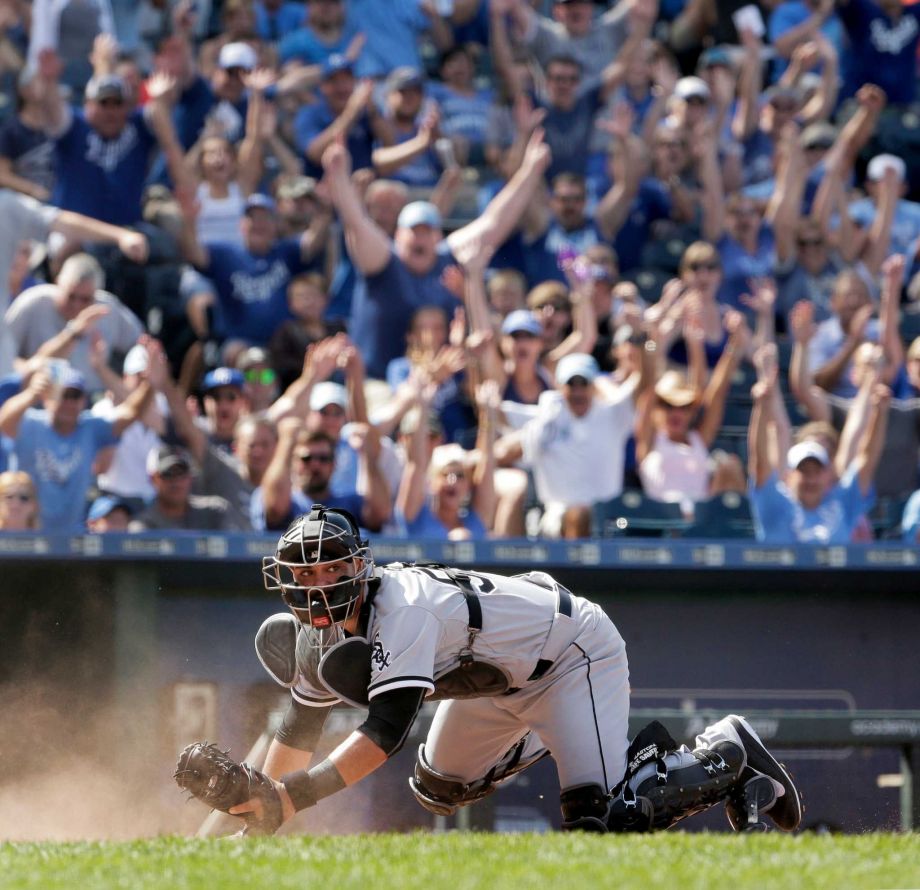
(217, 780)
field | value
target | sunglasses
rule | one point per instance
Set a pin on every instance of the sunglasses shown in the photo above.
(175, 473)
(316, 458)
(110, 103)
(20, 496)
(810, 242)
(72, 394)
(698, 267)
(523, 335)
(332, 411)
(265, 376)
(578, 382)
(564, 78)
(696, 100)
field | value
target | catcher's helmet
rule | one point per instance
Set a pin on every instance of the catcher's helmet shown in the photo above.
(322, 536)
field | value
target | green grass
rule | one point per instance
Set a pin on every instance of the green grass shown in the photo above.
(461, 861)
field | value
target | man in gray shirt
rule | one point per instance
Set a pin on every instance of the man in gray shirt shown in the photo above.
(57, 319)
(22, 218)
(174, 507)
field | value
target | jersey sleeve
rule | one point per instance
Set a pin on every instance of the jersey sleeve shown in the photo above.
(403, 651)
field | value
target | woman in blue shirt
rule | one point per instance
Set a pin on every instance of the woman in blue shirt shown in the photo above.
(448, 493)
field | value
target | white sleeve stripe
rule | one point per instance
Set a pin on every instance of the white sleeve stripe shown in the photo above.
(400, 683)
(313, 702)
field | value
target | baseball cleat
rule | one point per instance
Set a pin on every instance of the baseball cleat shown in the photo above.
(786, 810)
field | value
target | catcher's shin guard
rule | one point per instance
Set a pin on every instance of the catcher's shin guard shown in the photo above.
(766, 787)
(443, 795)
(665, 784)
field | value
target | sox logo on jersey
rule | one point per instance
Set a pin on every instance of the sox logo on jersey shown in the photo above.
(379, 657)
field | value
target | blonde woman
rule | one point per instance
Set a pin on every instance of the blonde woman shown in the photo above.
(18, 502)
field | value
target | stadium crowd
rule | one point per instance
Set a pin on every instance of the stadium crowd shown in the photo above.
(465, 268)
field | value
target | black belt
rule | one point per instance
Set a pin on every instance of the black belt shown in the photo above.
(564, 608)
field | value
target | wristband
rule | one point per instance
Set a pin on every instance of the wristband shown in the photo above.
(305, 788)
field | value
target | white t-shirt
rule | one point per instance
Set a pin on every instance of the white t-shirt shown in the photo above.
(578, 461)
(676, 471)
(219, 219)
(127, 475)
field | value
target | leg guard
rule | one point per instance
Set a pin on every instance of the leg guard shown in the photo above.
(443, 794)
(664, 784)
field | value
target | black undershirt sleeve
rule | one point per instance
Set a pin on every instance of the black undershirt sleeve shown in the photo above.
(302, 726)
(390, 717)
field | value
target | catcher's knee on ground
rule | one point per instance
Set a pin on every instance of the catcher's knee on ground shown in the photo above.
(443, 795)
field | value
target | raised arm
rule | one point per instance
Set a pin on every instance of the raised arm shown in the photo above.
(784, 209)
(641, 17)
(760, 465)
(488, 399)
(368, 245)
(613, 208)
(713, 194)
(829, 374)
(387, 159)
(158, 112)
(276, 481)
(359, 102)
(873, 439)
(260, 122)
(376, 509)
(13, 409)
(504, 212)
(750, 85)
(132, 408)
(878, 241)
(802, 328)
(413, 486)
(717, 389)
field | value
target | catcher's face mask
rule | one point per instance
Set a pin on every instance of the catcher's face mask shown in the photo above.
(321, 569)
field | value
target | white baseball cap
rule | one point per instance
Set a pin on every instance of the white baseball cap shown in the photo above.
(237, 55)
(880, 163)
(688, 87)
(135, 360)
(798, 454)
(328, 393)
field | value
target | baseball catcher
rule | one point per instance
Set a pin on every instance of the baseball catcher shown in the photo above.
(523, 669)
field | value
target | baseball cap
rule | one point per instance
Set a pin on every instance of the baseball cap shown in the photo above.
(73, 379)
(807, 451)
(913, 351)
(102, 506)
(258, 201)
(818, 135)
(522, 320)
(419, 213)
(108, 86)
(167, 457)
(135, 361)
(443, 456)
(777, 91)
(255, 355)
(674, 389)
(690, 87)
(296, 187)
(403, 78)
(334, 64)
(578, 364)
(328, 393)
(237, 55)
(715, 55)
(222, 377)
(880, 163)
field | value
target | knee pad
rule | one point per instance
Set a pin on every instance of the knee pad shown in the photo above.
(442, 794)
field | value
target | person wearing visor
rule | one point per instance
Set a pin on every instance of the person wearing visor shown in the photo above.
(521, 667)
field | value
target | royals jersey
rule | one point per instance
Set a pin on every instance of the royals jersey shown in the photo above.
(419, 625)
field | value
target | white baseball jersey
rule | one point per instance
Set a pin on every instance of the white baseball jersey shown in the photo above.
(577, 707)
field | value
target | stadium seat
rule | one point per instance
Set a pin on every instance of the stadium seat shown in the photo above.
(727, 515)
(650, 282)
(663, 253)
(885, 517)
(634, 514)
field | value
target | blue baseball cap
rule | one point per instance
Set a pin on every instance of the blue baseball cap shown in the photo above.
(522, 320)
(73, 379)
(258, 201)
(334, 64)
(419, 213)
(102, 506)
(578, 364)
(222, 377)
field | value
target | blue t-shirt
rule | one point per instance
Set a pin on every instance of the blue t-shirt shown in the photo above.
(542, 256)
(30, 151)
(779, 519)
(275, 25)
(61, 466)
(880, 51)
(905, 227)
(461, 115)
(305, 47)
(427, 525)
(392, 28)
(739, 266)
(790, 15)
(300, 504)
(383, 305)
(652, 202)
(252, 290)
(103, 178)
(568, 133)
(311, 120)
